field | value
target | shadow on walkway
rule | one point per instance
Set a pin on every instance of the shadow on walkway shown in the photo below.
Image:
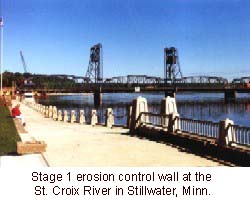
(224, 157)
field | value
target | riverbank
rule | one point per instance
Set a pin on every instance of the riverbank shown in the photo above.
(8, 132)
(83, 145)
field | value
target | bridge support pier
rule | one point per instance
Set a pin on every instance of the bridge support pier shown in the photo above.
(170, 94)
(230, 96)
(97, 99)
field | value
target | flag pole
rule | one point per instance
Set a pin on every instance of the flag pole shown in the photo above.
(1, 54)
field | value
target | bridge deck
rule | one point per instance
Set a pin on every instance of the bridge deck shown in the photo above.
(125, 88)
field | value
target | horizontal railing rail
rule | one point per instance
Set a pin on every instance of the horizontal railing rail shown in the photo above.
(149, 118)
(241, 134)
(204, 128)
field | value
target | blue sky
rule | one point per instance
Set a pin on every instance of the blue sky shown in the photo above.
(212, 36)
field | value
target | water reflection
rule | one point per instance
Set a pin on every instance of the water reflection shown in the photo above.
(196, 106)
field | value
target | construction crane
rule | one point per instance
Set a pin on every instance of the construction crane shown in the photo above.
(23, 62)
(26, 74)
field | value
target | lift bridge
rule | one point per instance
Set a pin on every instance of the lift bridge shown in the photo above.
(173, 80)
(172, 72)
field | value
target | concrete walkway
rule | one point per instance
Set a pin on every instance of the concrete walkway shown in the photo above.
(82, 145)
(29, 160)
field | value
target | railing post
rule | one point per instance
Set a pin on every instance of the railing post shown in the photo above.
(138, 105)
(109, 118)
(55, 116)
(73, 116)
(168, 106)
(46, 113)
(94, 120)
(50, 111)
(41, 109)
(173, 123)
(60, 118)
(226, 137)
(65, 116)
(82, 119)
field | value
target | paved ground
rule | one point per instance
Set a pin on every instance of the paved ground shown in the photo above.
(82, 145)
(29, 160)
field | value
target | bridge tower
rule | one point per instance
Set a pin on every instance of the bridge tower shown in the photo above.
(95, 71)
(172, 69)
(95, 68)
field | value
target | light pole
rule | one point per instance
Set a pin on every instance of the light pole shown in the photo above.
(1, 54)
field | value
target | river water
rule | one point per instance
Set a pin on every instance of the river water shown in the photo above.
(189, 105)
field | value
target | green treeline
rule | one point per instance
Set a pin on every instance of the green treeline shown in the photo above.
(38, 81)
